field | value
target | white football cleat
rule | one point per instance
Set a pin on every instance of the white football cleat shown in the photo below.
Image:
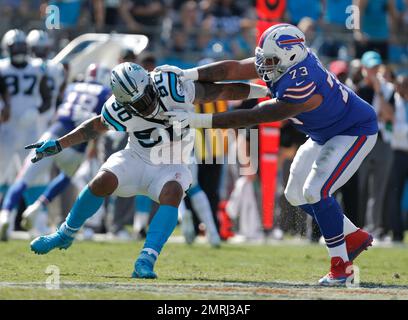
(4, 224)
(30, 214)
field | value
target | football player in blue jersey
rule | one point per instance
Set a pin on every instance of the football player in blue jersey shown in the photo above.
(342, 129)
(82, 101)
(136, 106)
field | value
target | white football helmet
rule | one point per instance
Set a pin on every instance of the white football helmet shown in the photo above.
(280, 47)
(39, 43)
(14, 45)
(133, 89)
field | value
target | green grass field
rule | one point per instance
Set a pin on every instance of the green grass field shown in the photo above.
(98, 270)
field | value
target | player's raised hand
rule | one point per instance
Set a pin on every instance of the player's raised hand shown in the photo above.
(169, 68)
(44, 149)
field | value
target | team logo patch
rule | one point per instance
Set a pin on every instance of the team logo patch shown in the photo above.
(287, 42)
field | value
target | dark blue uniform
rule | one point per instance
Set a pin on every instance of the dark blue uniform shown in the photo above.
(342, 112)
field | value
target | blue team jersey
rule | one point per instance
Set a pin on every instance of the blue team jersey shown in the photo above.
(342, 112)
(82, 101)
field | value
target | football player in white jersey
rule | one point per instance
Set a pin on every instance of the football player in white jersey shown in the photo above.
(29, 96)
(137, 104)
(39, 46)
(82, 101)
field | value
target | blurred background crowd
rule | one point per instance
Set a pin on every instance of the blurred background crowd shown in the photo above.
(372, 60)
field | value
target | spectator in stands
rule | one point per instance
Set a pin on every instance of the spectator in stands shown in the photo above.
(356, 75)
(376, 20)
(106, 14)
(225, 21)
(375, 170)
(308, 27)
(143, 16)
(334, 30)
(177, 51)
(399, 173)
(335, 13)
(225, 17)
(190, 16)
(296, 10)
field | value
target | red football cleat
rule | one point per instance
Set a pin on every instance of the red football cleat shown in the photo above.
(340, 273)
(357, 242)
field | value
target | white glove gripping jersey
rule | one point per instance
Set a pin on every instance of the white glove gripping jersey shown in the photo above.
(153, 139)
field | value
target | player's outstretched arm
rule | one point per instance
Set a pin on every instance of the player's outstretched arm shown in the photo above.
(88, 130)
(217, 71)
(267, 111)
(207, 91)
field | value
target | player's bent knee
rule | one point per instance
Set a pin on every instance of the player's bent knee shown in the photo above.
(171, 194)
(294, 198)
(311, 195)
(104, 183)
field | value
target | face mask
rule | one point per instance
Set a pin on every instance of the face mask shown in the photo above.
(155, 112)
(19, 58)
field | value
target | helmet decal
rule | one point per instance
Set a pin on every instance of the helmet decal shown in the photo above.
(287, 42)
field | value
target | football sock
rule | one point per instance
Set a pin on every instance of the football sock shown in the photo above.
(57, 186)
(161, 227)
(14, 195)
(308, 209)
(329, 217)
(143, 204)
(85, 206)
(348, 226)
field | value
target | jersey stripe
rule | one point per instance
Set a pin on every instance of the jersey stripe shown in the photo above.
(343, 164)
(173, 88)
(300, 96)
(117, 125)
(297, 89)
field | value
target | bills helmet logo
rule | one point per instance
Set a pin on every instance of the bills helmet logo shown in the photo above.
(287, 42)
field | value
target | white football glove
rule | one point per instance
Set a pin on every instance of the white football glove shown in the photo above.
(191, 119)
(169, 68)
(187, 74)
